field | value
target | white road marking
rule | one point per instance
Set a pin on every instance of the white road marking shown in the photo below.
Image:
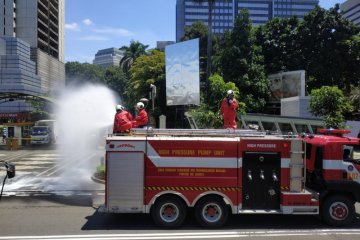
(197, 235)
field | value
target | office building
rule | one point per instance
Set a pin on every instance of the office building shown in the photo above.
(162, 44)
(351, 11)
(40, 23)
(17, 73)
(108, 57)
(225, 12)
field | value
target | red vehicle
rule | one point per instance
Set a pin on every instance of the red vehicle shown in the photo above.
(222, 172)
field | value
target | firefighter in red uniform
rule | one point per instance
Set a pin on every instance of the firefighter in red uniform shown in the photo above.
(228, 109)
(122, 120)
(141, 120)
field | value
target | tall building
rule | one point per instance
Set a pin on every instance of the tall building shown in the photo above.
(40, 23)
(224, 12)
(162, 44)
(17, 73)
(351, 11)
(108, 57)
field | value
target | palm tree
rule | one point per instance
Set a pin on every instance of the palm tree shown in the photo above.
(135, 50)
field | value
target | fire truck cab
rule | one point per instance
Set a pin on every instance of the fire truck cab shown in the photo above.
(332, 170)
(164, 172)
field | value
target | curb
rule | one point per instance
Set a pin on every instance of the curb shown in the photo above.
(96, 179)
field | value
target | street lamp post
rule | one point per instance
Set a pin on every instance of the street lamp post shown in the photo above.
(153, 95)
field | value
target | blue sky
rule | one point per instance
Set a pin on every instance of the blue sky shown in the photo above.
(91, 25)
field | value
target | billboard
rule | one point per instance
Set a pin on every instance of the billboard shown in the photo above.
(182, 73)
(287, 84)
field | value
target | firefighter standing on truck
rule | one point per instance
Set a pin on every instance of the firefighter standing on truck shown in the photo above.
(141, 120)
(228, 109)
(122, 120)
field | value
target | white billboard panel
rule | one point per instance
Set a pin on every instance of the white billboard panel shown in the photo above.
(182, 73)
(287, 84)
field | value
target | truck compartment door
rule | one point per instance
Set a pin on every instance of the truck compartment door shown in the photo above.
(261, 180)
(125, 181)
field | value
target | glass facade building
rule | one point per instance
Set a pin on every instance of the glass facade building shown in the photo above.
(351, 11)
(224, 12)
(40, 23)
(108, 57)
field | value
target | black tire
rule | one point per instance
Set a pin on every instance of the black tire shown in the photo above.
(338, 211)
(211, 212)
(169, 212)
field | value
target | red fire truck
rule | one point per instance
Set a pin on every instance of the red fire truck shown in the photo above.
(218, 172)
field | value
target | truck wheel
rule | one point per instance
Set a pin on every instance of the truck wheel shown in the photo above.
(169, 212)
(211, 212)
(338, 211)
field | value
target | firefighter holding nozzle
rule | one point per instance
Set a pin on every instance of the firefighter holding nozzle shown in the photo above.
(122, 120)
(228, 109)
(141, 120)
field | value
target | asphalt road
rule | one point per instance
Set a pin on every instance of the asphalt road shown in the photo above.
(41, 204)
(75, 217)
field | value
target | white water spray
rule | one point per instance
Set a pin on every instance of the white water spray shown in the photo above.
(85, 116)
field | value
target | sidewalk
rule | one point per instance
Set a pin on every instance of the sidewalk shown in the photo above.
(2, 146)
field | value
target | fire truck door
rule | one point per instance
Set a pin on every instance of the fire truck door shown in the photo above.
(125, 181)
(261, 180)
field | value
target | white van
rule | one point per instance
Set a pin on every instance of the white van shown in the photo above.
(44, 132)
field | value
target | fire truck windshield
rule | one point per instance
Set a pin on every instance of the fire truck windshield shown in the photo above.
(351, 153)
(356, 152)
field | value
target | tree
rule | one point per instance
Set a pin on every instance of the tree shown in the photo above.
(350, 59)
(354, 99)
(41, 108)
(279, 39)
(199, 30)
(242, 63)
(207, 115)
(209, 42)
(323, 35)
(131, 53)
(330, 104)
(80, 73)
(115, 79)
(211, 4)
(148, 69)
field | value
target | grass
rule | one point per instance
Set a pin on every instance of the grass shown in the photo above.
(100, 172)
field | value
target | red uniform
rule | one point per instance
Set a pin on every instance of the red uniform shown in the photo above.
(122, 121)
(228, 112)
(141, 119)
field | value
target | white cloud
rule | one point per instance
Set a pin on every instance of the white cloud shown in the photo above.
(94, 38)
(87, 22)
(114, 31)
(72, 26)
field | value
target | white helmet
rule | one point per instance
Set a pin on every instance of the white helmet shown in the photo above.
(230, 92)
(139, 105)
(119, 107)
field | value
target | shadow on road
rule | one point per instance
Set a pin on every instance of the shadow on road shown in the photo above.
(102, 221)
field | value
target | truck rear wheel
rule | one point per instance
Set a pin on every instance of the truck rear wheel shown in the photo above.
(338, 210)
(169, 212)
(211, 212)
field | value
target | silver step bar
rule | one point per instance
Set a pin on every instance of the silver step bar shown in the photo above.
(197, 132)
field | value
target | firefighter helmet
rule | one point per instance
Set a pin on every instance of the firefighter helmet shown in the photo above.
(139, 105)
(119, 107)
